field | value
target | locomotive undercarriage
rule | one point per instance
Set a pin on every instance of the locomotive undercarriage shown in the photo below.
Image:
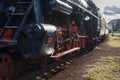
(68, 37)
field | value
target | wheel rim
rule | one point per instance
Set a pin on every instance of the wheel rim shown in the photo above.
(6, 66)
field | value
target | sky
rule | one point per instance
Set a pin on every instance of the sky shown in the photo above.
(110, 9)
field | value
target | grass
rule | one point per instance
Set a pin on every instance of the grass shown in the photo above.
(108, 67)
(105, 69)
(114, 41)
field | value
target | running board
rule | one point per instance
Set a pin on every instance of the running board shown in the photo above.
(65, 53)
(4, 43)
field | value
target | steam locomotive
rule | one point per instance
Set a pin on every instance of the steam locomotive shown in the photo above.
(34, 30)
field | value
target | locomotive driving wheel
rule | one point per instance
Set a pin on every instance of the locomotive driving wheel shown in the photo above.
(6, 67)
(83, 42)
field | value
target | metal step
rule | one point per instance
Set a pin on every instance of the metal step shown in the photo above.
(18, 14)
(23, 2)
(10, 26)
(8, 42)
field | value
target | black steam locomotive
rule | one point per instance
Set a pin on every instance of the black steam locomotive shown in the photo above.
(34, 30)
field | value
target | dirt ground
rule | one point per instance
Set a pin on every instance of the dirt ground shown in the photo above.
(103, 63)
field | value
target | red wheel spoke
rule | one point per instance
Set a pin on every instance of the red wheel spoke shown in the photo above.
(3, 59)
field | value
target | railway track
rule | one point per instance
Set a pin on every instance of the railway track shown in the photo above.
(54, 68)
